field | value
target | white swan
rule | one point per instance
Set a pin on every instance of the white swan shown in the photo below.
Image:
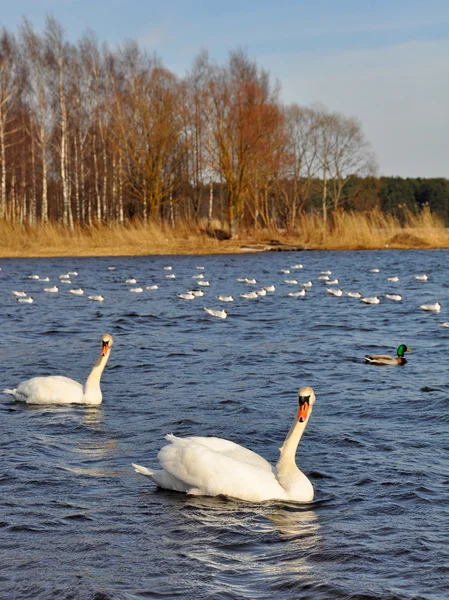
(19, 294)
(77, 291)
(56, 389)
(395, 297)
(187, 296)
(28, 300)
(52, 290)
(214, 466)
(223, 298)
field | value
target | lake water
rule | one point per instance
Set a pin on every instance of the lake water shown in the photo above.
(76, 522)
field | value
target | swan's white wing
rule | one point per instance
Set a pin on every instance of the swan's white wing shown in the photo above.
(49, 390)
(205, 471)
(232, 450)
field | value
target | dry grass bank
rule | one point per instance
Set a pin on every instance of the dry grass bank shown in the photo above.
(347, 231)
(374, 230)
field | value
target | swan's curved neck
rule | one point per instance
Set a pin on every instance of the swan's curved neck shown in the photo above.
(92, 385)
(288, 449)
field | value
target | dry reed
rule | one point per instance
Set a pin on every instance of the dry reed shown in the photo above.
(345, 231)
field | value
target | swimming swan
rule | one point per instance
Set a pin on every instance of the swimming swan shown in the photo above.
(62, 390)
(210, 466)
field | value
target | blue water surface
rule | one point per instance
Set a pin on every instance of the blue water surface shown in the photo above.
(76, 522)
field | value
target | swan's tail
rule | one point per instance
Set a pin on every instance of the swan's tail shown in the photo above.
(10, 392)
(143, 470)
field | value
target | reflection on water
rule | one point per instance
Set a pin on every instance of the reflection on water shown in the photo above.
(94, 417)
(296, 523)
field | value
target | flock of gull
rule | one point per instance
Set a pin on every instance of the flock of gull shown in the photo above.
(253, 291)
(208, 465)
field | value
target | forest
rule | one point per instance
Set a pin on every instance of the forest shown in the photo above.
(91, 135)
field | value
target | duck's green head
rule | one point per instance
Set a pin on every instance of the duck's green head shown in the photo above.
(403, 348)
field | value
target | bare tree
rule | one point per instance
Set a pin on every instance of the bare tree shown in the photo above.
(343, 151)
(351, 155)
(57, 52)
(243, 113)
(149, 124)
(9, 91)
(39, 102)
(197, 133)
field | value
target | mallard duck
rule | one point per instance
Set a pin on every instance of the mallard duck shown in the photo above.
(385, 359)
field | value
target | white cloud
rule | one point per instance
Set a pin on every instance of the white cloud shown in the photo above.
(399, 93)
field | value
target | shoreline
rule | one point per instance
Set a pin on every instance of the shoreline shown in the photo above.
(181, 250)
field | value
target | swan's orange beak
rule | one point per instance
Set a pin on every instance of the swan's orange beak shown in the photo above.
(104, 348)
(303, 411)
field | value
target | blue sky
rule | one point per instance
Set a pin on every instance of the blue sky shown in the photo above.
(385, 62)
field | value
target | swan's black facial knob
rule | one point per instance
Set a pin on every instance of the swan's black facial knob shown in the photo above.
(304, 403)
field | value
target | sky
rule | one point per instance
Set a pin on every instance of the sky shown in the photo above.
(385, 62)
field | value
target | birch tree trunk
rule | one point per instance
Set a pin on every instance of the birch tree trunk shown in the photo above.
(3, 159)
(67, 209)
